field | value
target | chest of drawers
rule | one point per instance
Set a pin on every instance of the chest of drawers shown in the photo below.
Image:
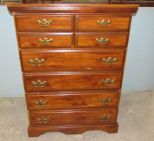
(72, 59)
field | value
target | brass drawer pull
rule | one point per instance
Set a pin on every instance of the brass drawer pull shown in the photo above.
(44, 22)
(108, 81)
(45, 41)
(104, 22)
(105, 117)
(43, 120)
(40, 102)
(105, 100)
(36, 61)
(102, 41)
(39, 83)
(110, 60)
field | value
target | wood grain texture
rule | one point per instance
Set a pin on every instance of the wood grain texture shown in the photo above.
(72, 100)
(89, 40)
(32, 40)
(72, 8)
(67, 79)
(72, 61)
(89, 23)
(73, 117)
(34, 131)
(30, 23)
(71, 81)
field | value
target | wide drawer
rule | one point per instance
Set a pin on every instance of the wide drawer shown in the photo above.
(102, 23)
(72, 60)
(72, 100)
(101, 40)
(44, 23)
(35, 82)
(73, 117)
(45, 40)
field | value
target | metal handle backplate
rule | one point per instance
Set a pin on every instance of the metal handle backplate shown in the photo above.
(104, 22)
(39, 83)
(44, 22)
(110, 60)
(36, 61)
(45, 41)
(40, 102)
(105, 100)
(105, 117)
(43, 120)
(108, 81)
(102, 41)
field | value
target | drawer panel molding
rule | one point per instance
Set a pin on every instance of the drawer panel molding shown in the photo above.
(44, 23)
(46, 40)
(104, 40)
(66, 61)
(74, 117)
(74, 81)
(102, 23)
(72, 100)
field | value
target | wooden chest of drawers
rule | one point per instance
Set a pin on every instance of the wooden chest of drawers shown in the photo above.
(72, 58)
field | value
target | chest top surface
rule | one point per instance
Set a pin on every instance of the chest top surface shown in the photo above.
(73, 7)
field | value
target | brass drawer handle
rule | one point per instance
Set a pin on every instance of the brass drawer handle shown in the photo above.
(43, 120)
(40, 102)
(102, 41)
(108, 81)
(110, 60)
(45, 41)
(105, 117)
(39, 83)
(105, 100)
(36, 61)
(44, 22)
(104, 22)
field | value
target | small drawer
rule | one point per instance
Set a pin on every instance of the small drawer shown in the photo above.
(102, 23)
(38, 82)
(73, 60)
(45, 40)
(72, 100)
(44, 23)
(73, 117)
(104, 40)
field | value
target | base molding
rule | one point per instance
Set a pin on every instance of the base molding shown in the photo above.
(36, 131)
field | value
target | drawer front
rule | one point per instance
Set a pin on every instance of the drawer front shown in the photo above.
(44, 23)
(102, 23)
(73, 117)
(104, 40)
(71, 81)
(85, 60)
(45, 40)
(72, 101)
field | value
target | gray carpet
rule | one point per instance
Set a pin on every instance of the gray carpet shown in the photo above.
(136, 121)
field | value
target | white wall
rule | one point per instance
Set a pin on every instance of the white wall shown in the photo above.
(10, 72)
(139, 69)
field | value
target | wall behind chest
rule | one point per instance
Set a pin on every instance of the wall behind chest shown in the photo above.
(139, 69)
(10, 73)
